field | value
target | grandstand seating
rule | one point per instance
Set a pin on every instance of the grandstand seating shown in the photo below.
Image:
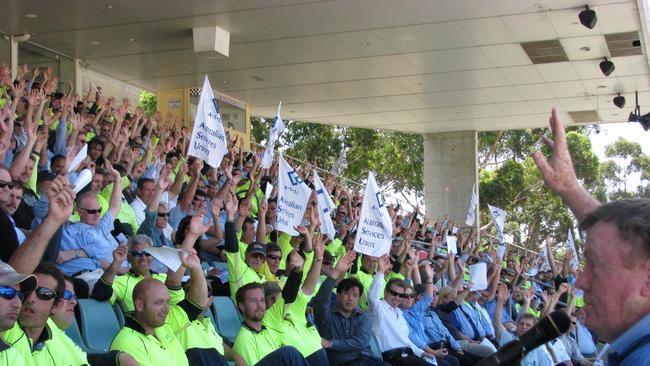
(74, 334)
(99, 324)
(227, 319)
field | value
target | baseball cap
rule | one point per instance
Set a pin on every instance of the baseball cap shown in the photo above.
(256, 247)
(9, 276)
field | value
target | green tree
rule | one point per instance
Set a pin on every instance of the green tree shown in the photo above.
(148, 102)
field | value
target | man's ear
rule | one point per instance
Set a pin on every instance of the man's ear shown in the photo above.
(138, 304)
(645, 287)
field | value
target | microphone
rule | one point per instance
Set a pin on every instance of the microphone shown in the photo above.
(546, 329)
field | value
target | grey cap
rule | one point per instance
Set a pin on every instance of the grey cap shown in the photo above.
(9, 276)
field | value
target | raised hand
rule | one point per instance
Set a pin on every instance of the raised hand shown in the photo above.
(502, 293)
(295, 262)
(189, 259)
(383, 264)
(120, 253)
(215, 207)
(197, 227)
(344, 264)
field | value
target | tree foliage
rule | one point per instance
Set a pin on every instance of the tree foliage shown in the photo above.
(148, 102)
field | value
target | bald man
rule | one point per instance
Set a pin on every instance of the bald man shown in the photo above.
(149, 335)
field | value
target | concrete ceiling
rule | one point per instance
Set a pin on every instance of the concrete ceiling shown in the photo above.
(407, 65)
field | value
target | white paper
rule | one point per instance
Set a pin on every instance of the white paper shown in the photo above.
(325, 207)
(170, 257)
(501, 251)
(293, 197)
(499, 218)
(471, 210)
(546, 266)
(478, 276)
(340, 164)
(452, 242)
(267, 191)
(375, 228)
(277, 126)
(121, 238)
(454, 230)
(83, 179)
(208, 141)
(81, 155)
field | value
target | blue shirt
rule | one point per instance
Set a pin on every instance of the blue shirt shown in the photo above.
(96, 241)
(633, 347)
(436, 331)
(466, 319)
(415, 320)
(506, 316)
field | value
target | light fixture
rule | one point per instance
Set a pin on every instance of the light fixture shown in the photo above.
(585, 48)
(365, 44)
(95, 43)
(635, 115)
(132, 39)
(607, 67)
(619, 101)
(588, 18)
(31, 16)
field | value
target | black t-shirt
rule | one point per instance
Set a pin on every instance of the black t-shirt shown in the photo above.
(25, 212)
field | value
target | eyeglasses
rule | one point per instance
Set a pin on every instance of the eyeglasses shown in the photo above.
(574, 323)
(163, 214)
(91, 211)
(8, 293)
(400, 294)
(6, 184)
(273, 257)
(68, 295)
(140, 253)
(45, 294)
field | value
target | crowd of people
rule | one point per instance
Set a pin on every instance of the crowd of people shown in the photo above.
(305, 299)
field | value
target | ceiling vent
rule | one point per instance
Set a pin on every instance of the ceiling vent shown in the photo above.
(545, 52)
(623, 44)
(584, 116)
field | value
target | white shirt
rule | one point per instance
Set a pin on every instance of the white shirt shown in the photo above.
(388, 323)
(139, 207)
(537, 357)
(559, 351)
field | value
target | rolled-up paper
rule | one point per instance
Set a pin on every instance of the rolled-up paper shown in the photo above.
(85, 177)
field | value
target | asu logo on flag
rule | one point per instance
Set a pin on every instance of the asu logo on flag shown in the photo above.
(380, 199)
(294, 178)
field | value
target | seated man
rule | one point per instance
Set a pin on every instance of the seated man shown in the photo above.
(260, 345)
(120, 288)
(37, 338)
(13, 287)
(150, 333)
(345, 329)
(86, 246)
(538, 356)
(388, 323)
(10, 207)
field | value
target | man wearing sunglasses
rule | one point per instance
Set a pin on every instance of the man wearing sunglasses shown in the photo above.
(87, 246)
(7, 224)
(388, 323)
(156, 217)
(120, 288)
(13, 286)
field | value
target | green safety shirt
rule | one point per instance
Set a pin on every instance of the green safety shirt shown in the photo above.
(123, 286)
(296, 331)
(52, 348)
(200, 340)
(239, 273)
(163, 347)
(9, 355)
(253, 346)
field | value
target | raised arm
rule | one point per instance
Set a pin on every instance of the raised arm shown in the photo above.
(313, 275)
(502, 296)
(549, 254)
(377, 283)
(559, 174)
(116, 194)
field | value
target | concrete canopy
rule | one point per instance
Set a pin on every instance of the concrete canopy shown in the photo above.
(409, 65)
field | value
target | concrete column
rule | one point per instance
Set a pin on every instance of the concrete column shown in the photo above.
(450, 170)
(14, 57)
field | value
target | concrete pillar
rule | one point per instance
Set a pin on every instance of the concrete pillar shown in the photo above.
(450, 170)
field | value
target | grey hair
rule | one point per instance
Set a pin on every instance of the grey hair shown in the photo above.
(139, 239)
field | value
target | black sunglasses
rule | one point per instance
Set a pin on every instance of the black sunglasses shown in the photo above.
(163, 214)
(400, 295)
(91, 211)
(6, 184)
(140, 253)
(68, 295)
(8, 293)
(45, 294)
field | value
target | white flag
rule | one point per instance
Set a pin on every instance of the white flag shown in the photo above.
(501, 251)
(499, 218)
(546, 265)
(325, 208)
(277, 126)
(375, 230)
(340, 164)
(293, 197)
(471, 210)
(572, 248)
(208, 141)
